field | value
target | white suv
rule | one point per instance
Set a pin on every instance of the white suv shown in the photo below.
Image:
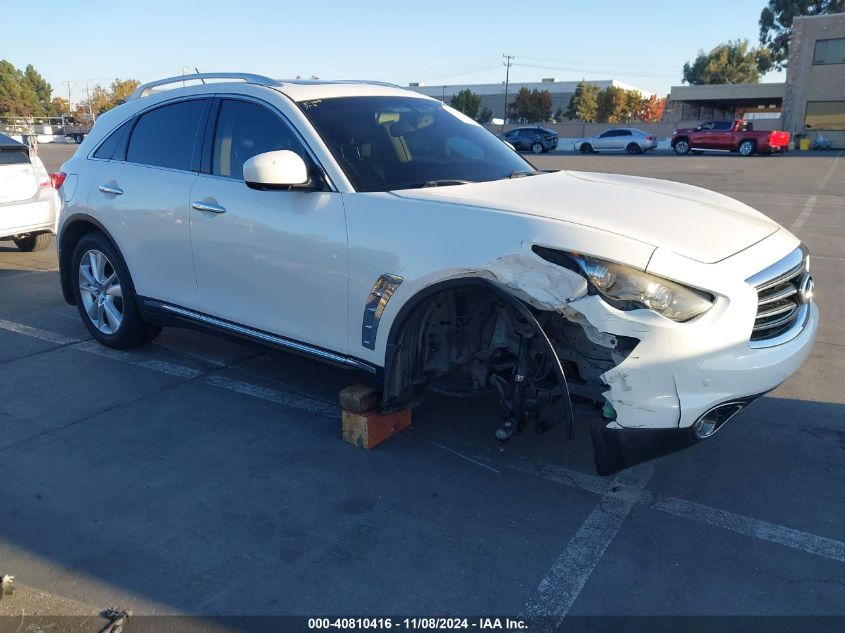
(375, 228)
(28, 201)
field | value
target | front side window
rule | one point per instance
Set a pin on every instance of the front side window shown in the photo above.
(607, 134)
(165, 137)
(830, 51)
(388, 143)
(825, 115)
(708, 126)
(245, 129)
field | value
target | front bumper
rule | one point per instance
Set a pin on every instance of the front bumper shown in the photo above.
(679, 371)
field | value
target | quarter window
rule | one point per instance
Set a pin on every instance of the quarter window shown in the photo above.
(245, 129)
(115, 141)
(825, 115)
(165, 137)
(830, 51)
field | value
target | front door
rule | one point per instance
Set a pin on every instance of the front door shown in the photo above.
(272, 260)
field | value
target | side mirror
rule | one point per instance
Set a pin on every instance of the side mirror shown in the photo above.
(280, 169)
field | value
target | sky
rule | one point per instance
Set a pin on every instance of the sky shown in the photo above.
(438, 42)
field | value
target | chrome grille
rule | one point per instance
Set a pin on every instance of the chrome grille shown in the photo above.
(779, 305)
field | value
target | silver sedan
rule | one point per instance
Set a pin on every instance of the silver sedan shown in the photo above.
(621, 139)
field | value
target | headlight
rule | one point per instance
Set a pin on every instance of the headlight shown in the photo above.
(627, 288)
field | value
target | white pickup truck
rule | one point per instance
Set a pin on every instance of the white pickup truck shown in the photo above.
(28, 200)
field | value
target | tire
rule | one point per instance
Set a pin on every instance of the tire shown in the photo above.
(633, 148)
(32, 243)
(105, 296)
(681, 147)
(78, 138)
(697, 151)
(536, 147)
(586, 148)
(747, 148)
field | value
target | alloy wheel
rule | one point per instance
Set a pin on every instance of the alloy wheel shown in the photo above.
(537, 148)
(746, 148)
(99, 288)
(681, 147)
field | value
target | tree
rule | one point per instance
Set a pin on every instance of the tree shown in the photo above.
(776, 24)
(584, 104)
(467, 102)
(122, 89)
(531, 106)
(43, 92)
(58, 107)
(613, 105)
(653, 108)
(728, 63)
(559, 115)
(17, 95)
(485, 116)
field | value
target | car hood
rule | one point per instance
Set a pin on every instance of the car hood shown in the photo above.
(693, 222)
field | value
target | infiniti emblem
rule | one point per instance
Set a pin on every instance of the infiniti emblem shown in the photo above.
(805, 289)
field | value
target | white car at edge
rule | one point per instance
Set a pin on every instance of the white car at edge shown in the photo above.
(28, 202)
(378, 229)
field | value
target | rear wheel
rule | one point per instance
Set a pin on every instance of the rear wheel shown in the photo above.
(104, 295)
(633, 148)
(747, 148)
(32, 243)
(586, 148)
(536, 147)
(681, 147)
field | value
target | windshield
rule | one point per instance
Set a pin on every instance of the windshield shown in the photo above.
(387, 143)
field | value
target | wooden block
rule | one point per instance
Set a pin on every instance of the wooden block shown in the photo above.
(373, 427)
(360, 398)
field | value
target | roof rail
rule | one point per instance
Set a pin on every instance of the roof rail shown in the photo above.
(145, 89)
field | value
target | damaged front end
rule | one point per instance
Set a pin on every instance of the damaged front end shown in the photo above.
(533, 331)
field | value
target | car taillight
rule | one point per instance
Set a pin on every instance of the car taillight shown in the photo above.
(650, 137)
(57, 179)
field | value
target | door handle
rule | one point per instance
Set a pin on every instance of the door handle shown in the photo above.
(208, 206)
(112, 189)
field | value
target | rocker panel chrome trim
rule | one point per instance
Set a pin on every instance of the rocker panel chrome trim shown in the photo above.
(268, 338)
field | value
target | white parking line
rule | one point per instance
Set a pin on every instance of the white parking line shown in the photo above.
(44, 335)
(811, 201)
(560, 588)
(302, 403)
(700, 513)
(164, 367)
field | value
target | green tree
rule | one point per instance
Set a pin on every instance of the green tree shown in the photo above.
(467, 102)
(531, 106)
(613, 105)
(584, 104)
(485, 116)
(17, 95)
(728, 63)
(32, 80)
(559, 115)
(776, 24)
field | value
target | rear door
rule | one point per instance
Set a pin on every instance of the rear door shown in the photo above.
(141, 196)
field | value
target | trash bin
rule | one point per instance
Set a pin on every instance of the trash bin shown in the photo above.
(804, 144)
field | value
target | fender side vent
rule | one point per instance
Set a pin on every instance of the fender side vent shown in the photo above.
(382, 290)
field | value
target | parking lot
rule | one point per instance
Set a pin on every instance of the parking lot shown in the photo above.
(205, 476)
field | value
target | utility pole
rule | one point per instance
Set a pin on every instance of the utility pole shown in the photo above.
(508, 62)
(68, 84)
(90, 108)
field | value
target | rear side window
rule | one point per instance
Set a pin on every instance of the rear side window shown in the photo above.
(113, 143)
(245, 129)
(14, 156)
(723, 126)
(165, 137)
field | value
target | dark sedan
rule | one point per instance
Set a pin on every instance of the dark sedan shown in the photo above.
(534, 139)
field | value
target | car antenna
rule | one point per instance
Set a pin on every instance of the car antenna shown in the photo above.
(198, 72)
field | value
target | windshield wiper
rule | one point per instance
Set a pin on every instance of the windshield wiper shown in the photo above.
(445, 182)
(523, 172)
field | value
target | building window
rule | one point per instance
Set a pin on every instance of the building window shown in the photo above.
(825, 115)
(830, 51)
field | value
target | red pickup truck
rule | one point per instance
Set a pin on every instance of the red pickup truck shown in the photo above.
(728, 136)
